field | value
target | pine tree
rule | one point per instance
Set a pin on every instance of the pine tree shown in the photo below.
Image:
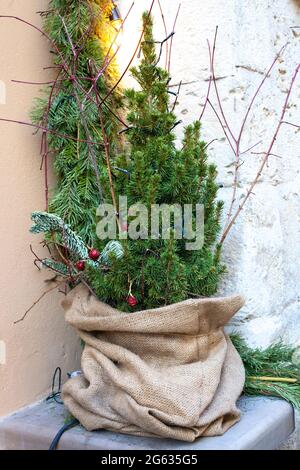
(160, 272)
(80, 166)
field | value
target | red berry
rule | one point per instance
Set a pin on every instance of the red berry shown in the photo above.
(94, 254)
(131, 300)
(80, 265)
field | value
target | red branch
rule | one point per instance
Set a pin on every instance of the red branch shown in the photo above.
(166, 32)
(171, 42)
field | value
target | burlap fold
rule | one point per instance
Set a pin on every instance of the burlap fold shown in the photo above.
(167, 372)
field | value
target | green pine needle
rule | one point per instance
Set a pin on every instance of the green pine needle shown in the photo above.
(276, 361)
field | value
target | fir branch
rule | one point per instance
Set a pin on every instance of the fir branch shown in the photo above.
(270, 371)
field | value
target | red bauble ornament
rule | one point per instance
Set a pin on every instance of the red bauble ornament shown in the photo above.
(94, 254)
(131, 300)
(80, 265)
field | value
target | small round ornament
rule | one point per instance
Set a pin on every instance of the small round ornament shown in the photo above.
(94, 254)
(80, 265)
(131, 300)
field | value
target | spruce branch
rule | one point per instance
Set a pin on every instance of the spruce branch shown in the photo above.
(270, 371)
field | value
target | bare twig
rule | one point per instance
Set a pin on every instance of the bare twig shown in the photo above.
(37, 301)
(176, 99)
(209, 143)
(250, 148)
(171, 42)
(210, 77)
(291, 124)
(264, 153)
(166, 32)
(50, 131)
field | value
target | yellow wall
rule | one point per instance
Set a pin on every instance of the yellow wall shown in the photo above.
(43, 341)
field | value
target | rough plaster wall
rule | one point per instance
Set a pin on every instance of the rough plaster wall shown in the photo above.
(31, 350)
(262, 252)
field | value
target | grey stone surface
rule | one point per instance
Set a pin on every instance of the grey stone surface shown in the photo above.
(266, 424)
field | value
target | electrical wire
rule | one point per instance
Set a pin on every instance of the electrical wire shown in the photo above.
(63, 429)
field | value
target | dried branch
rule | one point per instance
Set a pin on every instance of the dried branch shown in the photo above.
(265, 159)
(291, 124)
(166, 32)
(37, 301)
(171, 42)
(176, 99)
(50, 131)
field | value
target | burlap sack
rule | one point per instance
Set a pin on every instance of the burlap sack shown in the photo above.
(166, 372)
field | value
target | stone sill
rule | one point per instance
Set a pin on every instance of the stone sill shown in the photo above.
(266, 424)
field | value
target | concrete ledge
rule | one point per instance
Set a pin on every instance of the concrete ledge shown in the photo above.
(266, 424)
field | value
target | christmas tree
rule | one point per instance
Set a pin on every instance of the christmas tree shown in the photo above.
(156, 272)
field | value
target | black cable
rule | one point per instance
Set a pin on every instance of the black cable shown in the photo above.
(55, 394)
(62, 430)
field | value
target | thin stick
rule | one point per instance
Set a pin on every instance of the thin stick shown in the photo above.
(34, 83)
(171, 42)
(267, 74)
(176, 99)
(50, 131)
(166, 32)
(37, 301)
(291, 124)
(209, 84)
(216, 87)
(250, 148)
(273, 379)
(209, 143)
(222, 125)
